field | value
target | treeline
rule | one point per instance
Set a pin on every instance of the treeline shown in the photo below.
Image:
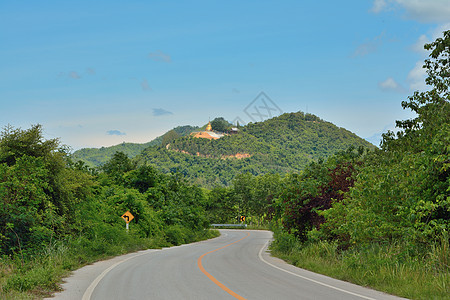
(56, 214)
(208, 172)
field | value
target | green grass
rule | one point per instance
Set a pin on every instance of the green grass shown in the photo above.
(393, 268)
(38, 276)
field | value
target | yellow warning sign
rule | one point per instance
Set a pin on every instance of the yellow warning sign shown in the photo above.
(127, 217)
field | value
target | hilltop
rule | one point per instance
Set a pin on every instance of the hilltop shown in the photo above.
(283, 144)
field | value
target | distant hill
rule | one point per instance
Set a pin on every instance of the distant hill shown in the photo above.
(286, 143)
(96, 157)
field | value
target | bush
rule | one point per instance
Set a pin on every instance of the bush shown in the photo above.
(176, 234)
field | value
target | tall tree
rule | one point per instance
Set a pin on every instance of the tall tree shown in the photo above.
(404, 190)
(220, 124)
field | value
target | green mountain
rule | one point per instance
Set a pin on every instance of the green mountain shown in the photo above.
(287, 143)
(283, 144)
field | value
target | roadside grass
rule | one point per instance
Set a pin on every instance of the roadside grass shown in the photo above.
(36, 276)
(393, 268)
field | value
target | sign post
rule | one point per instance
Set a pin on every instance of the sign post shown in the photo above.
(127, 217)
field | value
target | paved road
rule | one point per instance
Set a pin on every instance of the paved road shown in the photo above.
(235, 265)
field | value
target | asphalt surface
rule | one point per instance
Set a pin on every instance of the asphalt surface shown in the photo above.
(235, 265)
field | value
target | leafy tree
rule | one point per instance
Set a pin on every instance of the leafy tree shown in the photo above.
(142, 178)
(26, 212)
(267, 188)
(39, 192)
(221, 207)
(15, 143)
(243, 192)
(403, 192)
(117, 166)
(320, 186)
(220, 124)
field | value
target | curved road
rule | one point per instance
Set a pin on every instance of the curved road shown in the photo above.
(235, 265)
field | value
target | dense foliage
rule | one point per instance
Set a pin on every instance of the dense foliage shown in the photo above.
(382, 212)
(46, 199)
(220, 124)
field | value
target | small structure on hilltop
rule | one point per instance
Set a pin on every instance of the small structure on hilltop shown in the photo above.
(208, 133)
(233, 130)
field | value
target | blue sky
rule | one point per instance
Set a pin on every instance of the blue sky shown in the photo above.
(98, 73)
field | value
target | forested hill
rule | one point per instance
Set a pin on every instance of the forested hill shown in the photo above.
(292, 139)
(95, 157)
(283, 144)
(286, 143)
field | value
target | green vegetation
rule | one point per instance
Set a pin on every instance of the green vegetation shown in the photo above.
(220, 124)
(386, 267)
(381, 218)
(94, 157)
(284, 144)
(376, 217)
(56, 215)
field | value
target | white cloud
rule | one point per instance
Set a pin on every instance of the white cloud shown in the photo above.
(427, 10)
(74, 75)
(378, 6)
(390, 85)
(421, 41)
(160, 56)
(438, 31)
(428, 38)
(433, 11)
(416, 77)
(145, 86)
(160, 112)
(369, 46)
(115, 132)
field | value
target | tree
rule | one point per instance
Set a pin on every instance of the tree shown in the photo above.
(220, 124)
(118, 165)
(39, 192)
(320, 186)
(403, 191)
(15, 143)
(221, 207)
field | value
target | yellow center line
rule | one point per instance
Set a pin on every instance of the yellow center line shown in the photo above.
(217, 282)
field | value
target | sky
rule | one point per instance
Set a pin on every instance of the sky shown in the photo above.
(99, 73)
